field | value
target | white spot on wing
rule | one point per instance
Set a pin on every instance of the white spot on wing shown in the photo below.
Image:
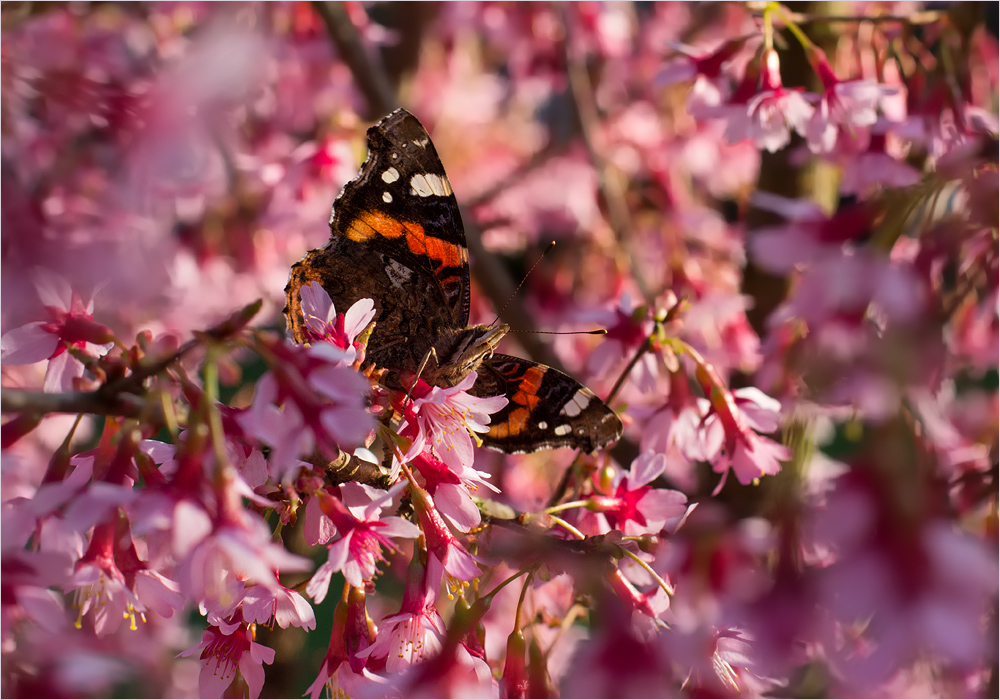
(422, 142)
(563, 430)
(427, 184)
(386, 197)
(542, 425)
(440, 185)
(390, 175)
(573, 407)
(398, 274)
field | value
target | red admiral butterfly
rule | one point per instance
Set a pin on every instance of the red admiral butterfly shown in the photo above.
(397, 238)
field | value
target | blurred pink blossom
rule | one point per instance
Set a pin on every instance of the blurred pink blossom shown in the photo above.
(72, 325)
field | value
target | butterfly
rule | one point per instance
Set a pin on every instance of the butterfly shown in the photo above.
(397, 238)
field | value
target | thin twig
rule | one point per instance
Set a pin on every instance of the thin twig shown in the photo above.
(609, 181)
(551, 149)
(926, 17)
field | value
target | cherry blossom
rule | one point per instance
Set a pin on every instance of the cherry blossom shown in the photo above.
(71, 328)
(443, 420)
(843, 104)
(324, 323)
(635, 506)
(224, 652)
(417, 630)
(362, 534)
(771, 113)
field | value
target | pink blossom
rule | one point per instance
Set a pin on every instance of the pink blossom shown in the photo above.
(809, 236)
(417, 631)
(876, 167)
(72, 325)
(451, 491)
(281, 428)
(211, 570)
(363, 532)
(226, 651)
(342, 671)
(675, 429)
(843, 104)
(731, 440)
(441, 543)
(709, 87)
(323, 323)
(102, 590)
(29, 575)
(308, 399)
(443, 421)
(636, 507)
(339, 677)
(628, 328)
(772, 112)
(284, 606)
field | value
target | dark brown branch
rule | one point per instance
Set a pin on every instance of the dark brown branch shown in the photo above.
(347, 467)
(609, 180)
(369, 75)
(94, 402)
(551, 149)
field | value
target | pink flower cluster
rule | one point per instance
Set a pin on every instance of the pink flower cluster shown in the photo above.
(786, 226)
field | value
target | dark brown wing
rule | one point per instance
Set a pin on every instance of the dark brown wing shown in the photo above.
(546, 408)
(397, 238)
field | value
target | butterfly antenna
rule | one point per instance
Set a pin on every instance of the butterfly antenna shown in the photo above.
(552, 244)
(596, 331)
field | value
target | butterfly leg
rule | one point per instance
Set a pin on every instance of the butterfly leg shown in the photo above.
(420, 370)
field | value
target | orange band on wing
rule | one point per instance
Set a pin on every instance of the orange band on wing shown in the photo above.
(373, 223)
(527, 391)
(515, 424)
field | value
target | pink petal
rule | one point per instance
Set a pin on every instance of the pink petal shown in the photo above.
(454, 502)
(645, 468)
(53, 290)
(27, 345)
(319, 584)
(253, 673)
(61, 372)
(358, 317)
(317, 528)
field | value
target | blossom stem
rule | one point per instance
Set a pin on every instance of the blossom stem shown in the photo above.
(646, 346)
(566, 506)
(59, 463)
(565, 525)
(520, 600)
(649, 570)
(925, 17)
(210, 397)
(769, 26)
(806, 42)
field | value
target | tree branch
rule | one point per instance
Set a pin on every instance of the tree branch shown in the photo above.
(369, 75)
(99, 403)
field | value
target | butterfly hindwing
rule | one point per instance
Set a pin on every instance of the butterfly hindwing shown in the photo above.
(545, 408)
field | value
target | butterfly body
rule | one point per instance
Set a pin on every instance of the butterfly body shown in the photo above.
(397, 238)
